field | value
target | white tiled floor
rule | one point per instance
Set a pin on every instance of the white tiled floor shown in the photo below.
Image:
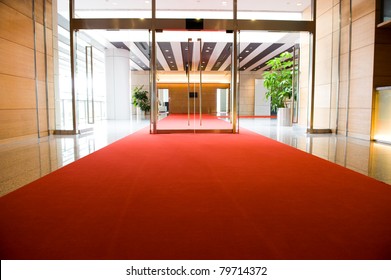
(25, 161)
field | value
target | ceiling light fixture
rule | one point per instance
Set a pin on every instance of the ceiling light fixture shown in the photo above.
(299, 4)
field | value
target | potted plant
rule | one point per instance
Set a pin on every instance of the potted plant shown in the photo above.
(278, 83)
(140, 99)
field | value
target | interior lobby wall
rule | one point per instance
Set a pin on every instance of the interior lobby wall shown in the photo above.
(323, 66)
(247, 93)
(362, 68)
(344, 67)
(26, 69)
(179, 99)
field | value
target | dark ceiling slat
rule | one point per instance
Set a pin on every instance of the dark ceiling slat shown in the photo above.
(187, 58)
(261, 55)
(133, 56)
(144, 48)
(262, 65)
(207, 51)
(226, 52)
(168, 54)
(138, 61)
(120, 45)
(248, 50)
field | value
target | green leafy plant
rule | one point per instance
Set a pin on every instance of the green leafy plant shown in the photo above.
(278, 80)
(140, 99)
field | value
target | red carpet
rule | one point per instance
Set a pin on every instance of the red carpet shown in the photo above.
(203, 196)
(181, 121)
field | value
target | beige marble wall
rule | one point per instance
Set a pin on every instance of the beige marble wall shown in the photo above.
(348, 66)
(247, 93)
(357, 68)
(26, 89)
(326, 66)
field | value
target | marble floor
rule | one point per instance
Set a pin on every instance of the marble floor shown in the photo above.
(25, 161)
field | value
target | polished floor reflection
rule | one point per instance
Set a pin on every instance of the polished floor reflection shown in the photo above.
(25, 161)
(367, 157)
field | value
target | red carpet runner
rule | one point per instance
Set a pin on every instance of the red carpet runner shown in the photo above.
(181, 121)
(183, 196)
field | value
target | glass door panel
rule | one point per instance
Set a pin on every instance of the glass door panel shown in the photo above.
(194, 72)
(90, 79)
(84, 84)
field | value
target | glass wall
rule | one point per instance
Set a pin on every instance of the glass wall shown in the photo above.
(90, 85)
(90, 80)
(255, 49)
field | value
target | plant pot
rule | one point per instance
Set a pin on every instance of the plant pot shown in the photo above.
(140, 114)
(284, 117)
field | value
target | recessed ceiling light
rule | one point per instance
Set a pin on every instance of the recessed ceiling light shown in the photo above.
(224, 3)
(146, 2)
(299, 4)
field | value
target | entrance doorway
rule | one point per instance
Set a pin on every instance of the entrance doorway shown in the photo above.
(196, 86)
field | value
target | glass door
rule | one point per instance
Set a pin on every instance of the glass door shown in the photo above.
(84, 84)
(194, 81)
